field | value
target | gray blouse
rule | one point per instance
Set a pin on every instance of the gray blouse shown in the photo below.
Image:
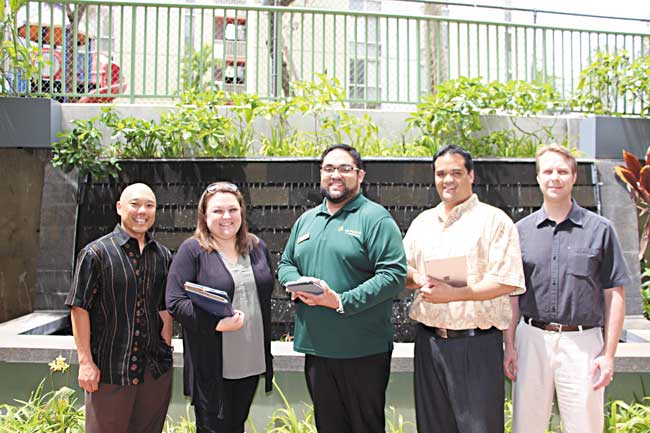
(243, 350)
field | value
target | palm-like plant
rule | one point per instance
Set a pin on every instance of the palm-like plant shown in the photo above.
(637, 178)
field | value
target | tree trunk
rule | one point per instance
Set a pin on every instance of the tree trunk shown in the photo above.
(286, 78)
(71, 47)
(435, 43)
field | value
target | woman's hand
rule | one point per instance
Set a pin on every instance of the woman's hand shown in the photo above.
(232, 323)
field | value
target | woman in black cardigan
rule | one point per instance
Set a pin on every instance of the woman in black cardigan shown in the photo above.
(223, 356)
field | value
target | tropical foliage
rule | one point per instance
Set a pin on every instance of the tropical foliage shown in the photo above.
(58, 411)
(216, 124)
(637, 179)
(19, 61)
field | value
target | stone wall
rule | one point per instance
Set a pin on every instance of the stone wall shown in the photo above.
(618, 207)
(58, 228)
(20, 198)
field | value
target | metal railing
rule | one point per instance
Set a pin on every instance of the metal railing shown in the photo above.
(144, 51)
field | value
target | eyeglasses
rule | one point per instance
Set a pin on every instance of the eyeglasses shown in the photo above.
(221, 186)
(342, 169)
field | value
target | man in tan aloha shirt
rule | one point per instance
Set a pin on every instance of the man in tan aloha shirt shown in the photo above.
(459, 344)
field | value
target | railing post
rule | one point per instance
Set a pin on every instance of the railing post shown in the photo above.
(277, 52)
(134, 17)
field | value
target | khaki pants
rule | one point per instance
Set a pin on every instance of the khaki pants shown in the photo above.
(138, 408)
(557, 362)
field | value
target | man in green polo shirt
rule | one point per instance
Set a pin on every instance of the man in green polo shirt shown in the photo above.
(352, 248)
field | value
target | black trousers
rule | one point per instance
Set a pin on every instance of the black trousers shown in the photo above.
(349, 395)
(237, 399)
(459, 384)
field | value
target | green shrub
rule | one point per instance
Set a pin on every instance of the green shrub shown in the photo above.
(611, 82)
(453, 115)
(628, 418)
(81, 148)
(47, 412)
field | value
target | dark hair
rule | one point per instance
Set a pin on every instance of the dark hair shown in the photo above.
(349, 149)
(245, 241)
(455, 150)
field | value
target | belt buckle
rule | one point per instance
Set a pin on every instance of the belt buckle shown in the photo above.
(442, 332)
(557, 326)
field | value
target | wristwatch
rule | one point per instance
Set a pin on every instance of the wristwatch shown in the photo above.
(340, 310)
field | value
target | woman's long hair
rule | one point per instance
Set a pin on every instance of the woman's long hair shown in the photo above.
(245, 241)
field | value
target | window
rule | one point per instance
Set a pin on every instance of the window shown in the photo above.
(364, 53)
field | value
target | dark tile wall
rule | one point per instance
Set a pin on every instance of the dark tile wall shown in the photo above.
(278, 191)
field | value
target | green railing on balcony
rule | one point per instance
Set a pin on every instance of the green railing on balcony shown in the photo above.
(143, 51)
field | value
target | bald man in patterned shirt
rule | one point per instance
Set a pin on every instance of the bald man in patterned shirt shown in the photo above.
(119, 322)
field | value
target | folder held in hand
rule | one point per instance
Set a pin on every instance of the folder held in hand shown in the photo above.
(451, 270)
(212, 301)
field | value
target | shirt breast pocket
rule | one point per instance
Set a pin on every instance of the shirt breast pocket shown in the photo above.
(583, 262)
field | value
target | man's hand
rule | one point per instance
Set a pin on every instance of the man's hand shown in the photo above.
(232, 323)
(88, 376)
(438, 292)
(602, 368)
(329, 298)
(510, 362)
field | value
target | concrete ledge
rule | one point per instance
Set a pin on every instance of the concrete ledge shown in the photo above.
(16, 346)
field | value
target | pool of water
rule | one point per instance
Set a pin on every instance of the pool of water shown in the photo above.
(19, 379)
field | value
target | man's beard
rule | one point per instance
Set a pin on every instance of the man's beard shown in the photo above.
(344, 195)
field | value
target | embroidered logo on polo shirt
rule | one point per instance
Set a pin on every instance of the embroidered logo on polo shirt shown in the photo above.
(355, 233)
(303, 238)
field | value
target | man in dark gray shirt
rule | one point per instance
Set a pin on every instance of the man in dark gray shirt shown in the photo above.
(566, 326)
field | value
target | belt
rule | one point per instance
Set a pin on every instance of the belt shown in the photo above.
(460, 333)
(555, 327)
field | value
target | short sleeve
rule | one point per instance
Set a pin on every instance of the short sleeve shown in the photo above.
(409, 243)
(504, 256)
(614, 271)
(86, 281)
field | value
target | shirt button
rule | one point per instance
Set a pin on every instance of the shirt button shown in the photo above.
(137, 333)
(554, 257)
(134, 358)
(135, 381)
(134, 367)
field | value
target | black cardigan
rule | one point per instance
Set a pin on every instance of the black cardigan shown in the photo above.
(202, 372)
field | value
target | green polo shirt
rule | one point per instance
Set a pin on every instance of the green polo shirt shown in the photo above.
(358, 251)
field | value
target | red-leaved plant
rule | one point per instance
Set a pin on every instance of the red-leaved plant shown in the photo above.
(637, 179)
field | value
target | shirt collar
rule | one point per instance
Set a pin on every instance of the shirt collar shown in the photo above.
(123, 237)
(576, 215)
(457, 212)
(350, 206)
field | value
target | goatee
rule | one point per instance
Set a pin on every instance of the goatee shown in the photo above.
(339, 199)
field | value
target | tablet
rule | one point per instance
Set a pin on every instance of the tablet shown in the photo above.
(304, 286)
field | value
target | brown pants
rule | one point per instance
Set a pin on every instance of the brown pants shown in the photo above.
(129, 409)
